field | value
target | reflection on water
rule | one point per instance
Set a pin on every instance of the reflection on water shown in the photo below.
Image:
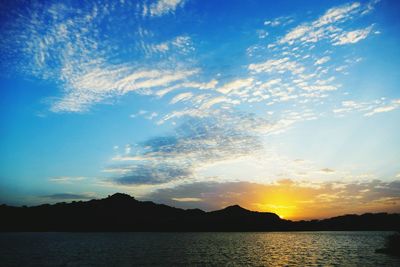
(138, 249)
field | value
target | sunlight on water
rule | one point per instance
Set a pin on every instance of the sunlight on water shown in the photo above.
(238, 249)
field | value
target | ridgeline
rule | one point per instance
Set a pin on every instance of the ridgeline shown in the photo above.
(121, 212)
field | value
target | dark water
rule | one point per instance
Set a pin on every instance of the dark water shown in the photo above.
(216, 249)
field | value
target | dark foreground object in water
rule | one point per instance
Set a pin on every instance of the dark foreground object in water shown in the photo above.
(392, 245)
(121, 212)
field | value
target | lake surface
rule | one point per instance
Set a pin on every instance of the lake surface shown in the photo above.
(212, 249)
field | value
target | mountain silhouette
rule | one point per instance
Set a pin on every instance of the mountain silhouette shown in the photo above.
(121, 212)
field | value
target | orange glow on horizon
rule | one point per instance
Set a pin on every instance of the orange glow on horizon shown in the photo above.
(293, 201)
(280, 203)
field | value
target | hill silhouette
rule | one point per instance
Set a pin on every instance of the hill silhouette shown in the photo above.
(121, 212)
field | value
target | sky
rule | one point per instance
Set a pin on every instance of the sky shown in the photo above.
(289, 106)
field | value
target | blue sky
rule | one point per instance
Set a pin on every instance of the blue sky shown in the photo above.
(202, 103)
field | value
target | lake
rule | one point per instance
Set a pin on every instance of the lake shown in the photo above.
(216, 249)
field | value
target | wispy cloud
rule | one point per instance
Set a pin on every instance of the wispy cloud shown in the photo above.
(99, 84)
(322, 60)
(235, 85)
(67, 179)
(181, 97)
(179, 45)
(70, 196)
(187, 199)
(327, 26)
(368, 108)
(280, 21)
(196, 142)
(187, 85)
(277, 65)
(162, 7)
(352, 37)
(337, 14)
(327, 170)
(395, 104)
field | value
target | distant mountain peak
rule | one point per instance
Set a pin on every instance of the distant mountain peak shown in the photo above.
(120, 196)
(234, 207)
